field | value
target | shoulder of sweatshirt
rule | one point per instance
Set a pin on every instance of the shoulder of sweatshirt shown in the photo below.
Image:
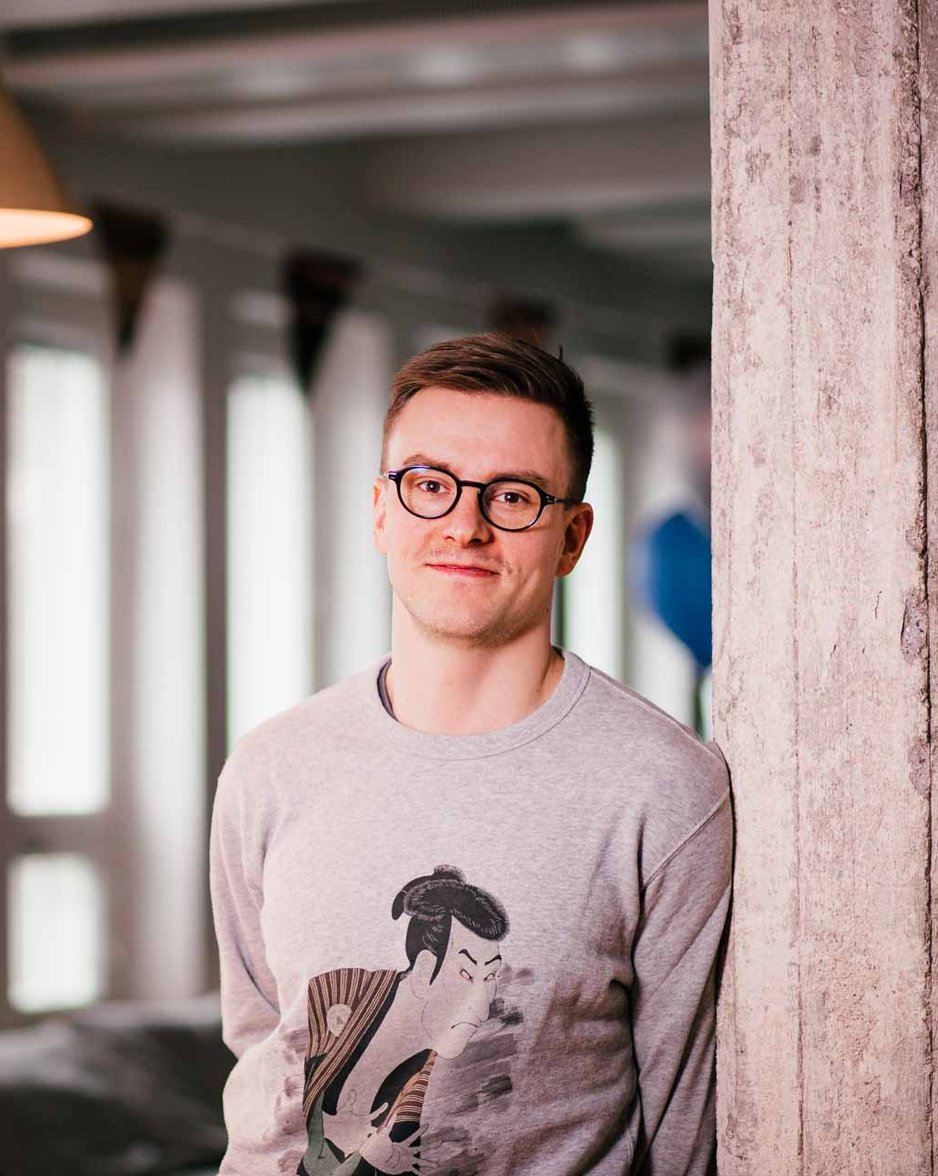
(678, 768)
(292, 736)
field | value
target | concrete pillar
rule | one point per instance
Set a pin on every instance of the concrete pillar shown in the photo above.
(825, 200)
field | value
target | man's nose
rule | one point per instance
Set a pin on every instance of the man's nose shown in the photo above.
(479, 1002)
(465, 521)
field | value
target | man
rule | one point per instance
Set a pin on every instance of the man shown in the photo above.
(601, 823)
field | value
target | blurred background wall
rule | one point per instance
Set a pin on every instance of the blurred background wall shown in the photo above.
(289, 200)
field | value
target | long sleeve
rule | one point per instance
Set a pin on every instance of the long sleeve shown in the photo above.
(684, 911)
(249, 1003)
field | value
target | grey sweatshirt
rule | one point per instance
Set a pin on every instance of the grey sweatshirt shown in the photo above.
(490, 953)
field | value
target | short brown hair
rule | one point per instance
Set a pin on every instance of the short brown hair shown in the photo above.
(494, 362)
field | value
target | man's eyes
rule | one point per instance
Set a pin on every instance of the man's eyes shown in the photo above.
(514, 497)
(508, 496)
(468, 976)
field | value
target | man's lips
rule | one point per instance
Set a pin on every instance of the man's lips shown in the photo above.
(463, 569)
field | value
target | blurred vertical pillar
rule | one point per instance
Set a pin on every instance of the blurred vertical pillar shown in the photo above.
(350, 395)
(825, 201)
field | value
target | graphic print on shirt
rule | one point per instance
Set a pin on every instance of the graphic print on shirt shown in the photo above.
(380, 1040)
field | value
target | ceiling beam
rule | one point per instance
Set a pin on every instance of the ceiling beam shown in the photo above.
(683, 225)
(66, 71)
(427, 110)
(547, 172)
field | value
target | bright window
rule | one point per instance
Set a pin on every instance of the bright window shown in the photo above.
(270, 531)
(56, 932)
(594, 592)
(57, 582)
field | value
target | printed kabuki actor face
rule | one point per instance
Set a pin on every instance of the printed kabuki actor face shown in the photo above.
(456, 1001)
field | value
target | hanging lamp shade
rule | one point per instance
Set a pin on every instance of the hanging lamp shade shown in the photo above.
(34, 207)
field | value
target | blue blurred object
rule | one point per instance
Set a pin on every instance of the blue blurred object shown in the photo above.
(669, 573)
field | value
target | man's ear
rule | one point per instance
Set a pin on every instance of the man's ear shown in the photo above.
(576, 532)
(421, 973)
(379, 514)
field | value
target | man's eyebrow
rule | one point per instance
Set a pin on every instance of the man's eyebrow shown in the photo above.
(424, 459)
(465, 953)
(492, 960)
(522, 475)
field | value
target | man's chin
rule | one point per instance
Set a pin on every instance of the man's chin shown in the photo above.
(454, 1043)
(442, 619)
(459, 628)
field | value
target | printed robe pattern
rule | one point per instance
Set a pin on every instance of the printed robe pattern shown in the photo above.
(364, 993)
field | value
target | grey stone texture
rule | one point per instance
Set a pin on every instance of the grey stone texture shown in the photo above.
(825, 201)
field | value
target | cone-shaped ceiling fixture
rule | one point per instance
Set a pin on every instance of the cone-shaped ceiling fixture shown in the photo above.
(34, 207)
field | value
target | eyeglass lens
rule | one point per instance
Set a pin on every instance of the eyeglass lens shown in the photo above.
(431, 493)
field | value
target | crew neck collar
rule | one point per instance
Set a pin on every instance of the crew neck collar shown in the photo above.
(435, 746)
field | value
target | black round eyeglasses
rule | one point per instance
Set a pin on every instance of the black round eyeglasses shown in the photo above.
(510, 504)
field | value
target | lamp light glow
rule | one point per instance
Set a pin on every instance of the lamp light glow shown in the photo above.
(35, 208)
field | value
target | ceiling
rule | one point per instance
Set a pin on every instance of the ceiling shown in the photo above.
(476, 111)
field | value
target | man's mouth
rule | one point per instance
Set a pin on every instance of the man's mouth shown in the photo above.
(462, 569)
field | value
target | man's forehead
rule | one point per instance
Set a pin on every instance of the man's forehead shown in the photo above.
(440, 426)
(462, 939)
(513, 469)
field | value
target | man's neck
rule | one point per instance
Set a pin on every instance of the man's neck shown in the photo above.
(446, 689)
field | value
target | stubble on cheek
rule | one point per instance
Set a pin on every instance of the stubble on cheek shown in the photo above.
(451, 610)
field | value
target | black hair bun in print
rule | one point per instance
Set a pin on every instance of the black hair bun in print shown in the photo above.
(434, 899)
(412, 899)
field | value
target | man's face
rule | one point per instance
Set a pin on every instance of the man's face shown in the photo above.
(458, 577)
(457, 1000)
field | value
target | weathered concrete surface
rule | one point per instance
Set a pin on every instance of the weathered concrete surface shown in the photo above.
(928, 83)
(825, 362)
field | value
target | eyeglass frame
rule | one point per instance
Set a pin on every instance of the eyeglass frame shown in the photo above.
(396, 476)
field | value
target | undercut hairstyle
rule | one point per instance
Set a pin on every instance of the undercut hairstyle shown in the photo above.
(434, 900)
(501, 364)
